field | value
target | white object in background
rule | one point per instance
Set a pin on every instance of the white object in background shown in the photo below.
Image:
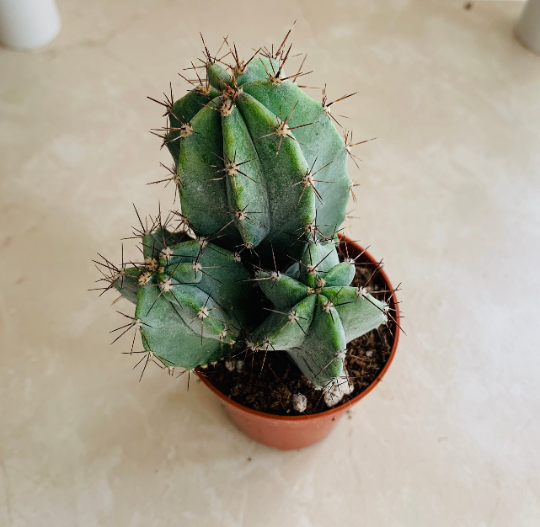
(28, 24)
(528, 27)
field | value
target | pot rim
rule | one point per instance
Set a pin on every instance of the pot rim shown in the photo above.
(350, 402)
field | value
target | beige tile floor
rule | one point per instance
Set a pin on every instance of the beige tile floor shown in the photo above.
(450, 197)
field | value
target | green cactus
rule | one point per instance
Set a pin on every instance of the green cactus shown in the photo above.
(259, 167)
(193, 299)
(316, 312)
(256, 159)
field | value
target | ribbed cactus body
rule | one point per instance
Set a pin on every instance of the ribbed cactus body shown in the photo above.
(317, 312)
(245, 160)
(193, 299)
(261, 174)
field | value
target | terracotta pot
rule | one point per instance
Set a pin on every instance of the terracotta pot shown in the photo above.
(291, 432)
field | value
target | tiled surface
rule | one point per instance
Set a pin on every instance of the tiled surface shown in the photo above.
(450, 197)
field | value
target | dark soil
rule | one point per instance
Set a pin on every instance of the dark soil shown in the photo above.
(268, 383)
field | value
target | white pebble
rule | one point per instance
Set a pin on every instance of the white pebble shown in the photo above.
(239, 365)
(230, 365)
(299, 402)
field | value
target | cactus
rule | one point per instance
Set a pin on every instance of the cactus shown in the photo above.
(316, 312)
(255, 158)
(193, 299)
(259, 167)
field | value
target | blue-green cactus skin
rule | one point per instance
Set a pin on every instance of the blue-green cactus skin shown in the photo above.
(317, 312)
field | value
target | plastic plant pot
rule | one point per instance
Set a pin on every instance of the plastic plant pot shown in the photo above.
(293, 432)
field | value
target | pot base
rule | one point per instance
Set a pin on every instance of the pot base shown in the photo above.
(285, 435)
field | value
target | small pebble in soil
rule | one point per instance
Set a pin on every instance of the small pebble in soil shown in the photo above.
(299, 402)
